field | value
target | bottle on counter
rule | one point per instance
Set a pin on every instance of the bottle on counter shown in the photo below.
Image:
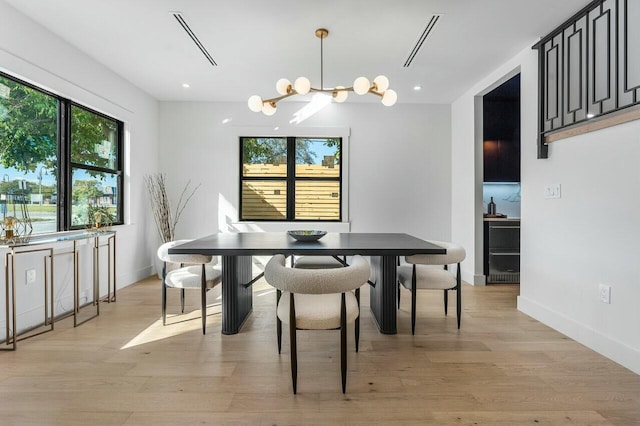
(491, 209)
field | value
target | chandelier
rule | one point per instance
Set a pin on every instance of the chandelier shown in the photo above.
(302, 86)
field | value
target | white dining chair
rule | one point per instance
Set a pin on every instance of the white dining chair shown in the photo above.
(184, 272)
(317, 299)
(318, 262)
(421, 272)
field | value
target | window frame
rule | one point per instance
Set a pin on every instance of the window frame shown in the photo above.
(290, 179)
(80, 166)
(65, 166)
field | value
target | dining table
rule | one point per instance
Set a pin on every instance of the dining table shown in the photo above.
(237, 249)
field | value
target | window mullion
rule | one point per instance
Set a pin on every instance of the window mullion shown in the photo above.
(291, 178)
(64, 171)
(94, 168)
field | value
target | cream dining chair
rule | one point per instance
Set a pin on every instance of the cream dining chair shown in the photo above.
(421, 271)
(318, 262)
(193, 272)
(317, 299)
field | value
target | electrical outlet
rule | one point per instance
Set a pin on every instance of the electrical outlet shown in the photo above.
(605, 293)
(30, 276)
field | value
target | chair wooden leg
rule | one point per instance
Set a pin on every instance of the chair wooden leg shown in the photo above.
(459, 297)
(164, 304)
(413, 301)
(292, 340)
(446, 301)
(203, 292)
(182, 300)
(278, 322)
(164, 293)
(343, 343)
(357, 325)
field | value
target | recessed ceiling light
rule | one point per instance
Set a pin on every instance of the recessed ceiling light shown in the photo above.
(186, 85)
(417, 88)
(226, 120)
(276, 128)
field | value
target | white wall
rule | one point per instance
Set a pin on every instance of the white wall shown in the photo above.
(572, 244)
(32, 53)
(399, 161)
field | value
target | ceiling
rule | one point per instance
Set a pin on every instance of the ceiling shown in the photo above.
(256, 42)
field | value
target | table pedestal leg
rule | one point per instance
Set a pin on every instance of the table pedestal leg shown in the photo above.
(383, 295)
(236, 299)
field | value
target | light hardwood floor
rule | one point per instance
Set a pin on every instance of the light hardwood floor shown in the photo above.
(125, 368)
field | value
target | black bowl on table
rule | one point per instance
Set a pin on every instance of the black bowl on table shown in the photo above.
(310, 235)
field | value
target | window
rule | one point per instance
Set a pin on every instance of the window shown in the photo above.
(60, 162)
(94, 166)
(290, 179)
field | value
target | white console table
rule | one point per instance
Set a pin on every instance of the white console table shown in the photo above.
(45, 244)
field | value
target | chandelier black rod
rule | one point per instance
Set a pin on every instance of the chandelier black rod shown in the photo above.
(321, 62)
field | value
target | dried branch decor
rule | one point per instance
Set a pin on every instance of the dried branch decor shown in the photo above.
(165, 219)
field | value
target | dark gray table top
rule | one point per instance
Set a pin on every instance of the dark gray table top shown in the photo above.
(269, 243)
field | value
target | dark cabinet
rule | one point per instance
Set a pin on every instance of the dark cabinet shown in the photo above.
(502, 251)
(501, 161)
(501, 133)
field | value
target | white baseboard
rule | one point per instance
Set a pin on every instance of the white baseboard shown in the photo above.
(473, 279)
(135, 276)
(479, 280)
(613, 349)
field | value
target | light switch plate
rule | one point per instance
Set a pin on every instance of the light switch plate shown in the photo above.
(552, 191)
(605, 293)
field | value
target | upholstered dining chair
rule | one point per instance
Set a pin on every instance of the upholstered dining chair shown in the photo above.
(421, 272)
(317, 299)
(317, 262)
(192, 272)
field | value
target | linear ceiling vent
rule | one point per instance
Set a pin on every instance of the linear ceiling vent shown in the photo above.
(425, 34)
(191, 34)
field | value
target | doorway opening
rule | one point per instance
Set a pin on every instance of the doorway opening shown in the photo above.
(501, 183)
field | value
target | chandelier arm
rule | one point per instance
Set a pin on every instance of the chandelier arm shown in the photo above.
(279, 98)
(344, 89)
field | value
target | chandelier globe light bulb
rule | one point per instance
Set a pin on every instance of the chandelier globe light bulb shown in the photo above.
(302, 85)
(361, 85)
(269, 108)
(255, 103)
(340, 96)
(283, 86)
(389, 98)
(382, 83)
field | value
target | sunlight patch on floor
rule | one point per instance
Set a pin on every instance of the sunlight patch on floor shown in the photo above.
(177, 324)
